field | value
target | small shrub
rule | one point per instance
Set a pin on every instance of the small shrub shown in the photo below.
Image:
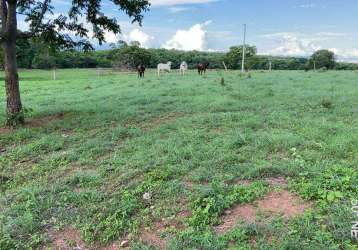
(270, 93)
(328, 104)
(322, 70)
(239, 141)
(331, 186)
(222, 81)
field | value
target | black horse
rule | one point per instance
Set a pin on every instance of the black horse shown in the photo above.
(202, 67)
(141, 70)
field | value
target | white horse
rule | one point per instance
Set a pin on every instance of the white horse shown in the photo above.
(164, 67)
(183, 68)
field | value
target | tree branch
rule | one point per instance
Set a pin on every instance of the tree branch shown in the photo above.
(45, 7)
(3, 18)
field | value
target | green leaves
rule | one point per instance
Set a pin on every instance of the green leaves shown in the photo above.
(330, 186)
(334, 195)
(206, 209)
(234, 56)
(54, 30)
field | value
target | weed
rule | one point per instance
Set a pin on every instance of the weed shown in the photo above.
(222, 81)
(326, 103)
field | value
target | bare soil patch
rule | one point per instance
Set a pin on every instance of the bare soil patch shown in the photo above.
(184, 214)
(244, 182)
(66, 239)
(241, 212)
(277, 181)
(35, 122)
(188, 184)
(281, 203)
(272, 181)
(4, 130)
(117, 245)
(153, 236)
(216, 130)
(284, 203)
(41, 121)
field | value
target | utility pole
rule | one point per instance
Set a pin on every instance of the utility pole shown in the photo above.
(243, 51)
(270, 65)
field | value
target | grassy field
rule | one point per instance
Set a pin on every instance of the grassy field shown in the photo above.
(256, 161)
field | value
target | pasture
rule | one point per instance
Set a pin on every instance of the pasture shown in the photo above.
(266, 160)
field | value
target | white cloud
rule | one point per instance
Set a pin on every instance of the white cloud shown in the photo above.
(131, 35)
(291, 44)
(110, 37)
(303, 44)
(176, 9)
(329, 35)
(347, 55)
(140, 36)
(308, 5)
(178, 2)
(194, 38)
(61, 2)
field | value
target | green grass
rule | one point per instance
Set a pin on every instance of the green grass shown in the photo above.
(112, 138)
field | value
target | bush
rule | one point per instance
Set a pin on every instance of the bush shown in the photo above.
(44, 62)
(323, 69)
(328, 104)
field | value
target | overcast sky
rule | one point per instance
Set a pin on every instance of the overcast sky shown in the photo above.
(278, 27)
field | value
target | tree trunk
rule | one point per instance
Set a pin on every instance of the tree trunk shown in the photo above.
(14, 110)
(13, 101)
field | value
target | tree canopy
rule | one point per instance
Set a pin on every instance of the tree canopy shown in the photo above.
(233, 57)
(130, 56)
(322, 59)
(83, 21)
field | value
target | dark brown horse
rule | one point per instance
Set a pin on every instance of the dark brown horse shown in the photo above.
(202, 67)
(141, 70)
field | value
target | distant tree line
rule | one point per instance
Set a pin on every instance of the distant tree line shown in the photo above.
(35, 54)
